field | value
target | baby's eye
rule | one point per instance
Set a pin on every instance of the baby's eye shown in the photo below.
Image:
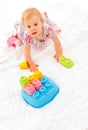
(35, 24)
(29, 26)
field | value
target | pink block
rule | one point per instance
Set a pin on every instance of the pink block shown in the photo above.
(30, 89)
(37, 84)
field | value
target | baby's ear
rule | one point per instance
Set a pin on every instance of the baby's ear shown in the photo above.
(23, 26)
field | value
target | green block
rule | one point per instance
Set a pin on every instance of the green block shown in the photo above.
(67, 62)
(23, 81)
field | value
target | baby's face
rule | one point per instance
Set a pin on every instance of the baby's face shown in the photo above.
(34, 26)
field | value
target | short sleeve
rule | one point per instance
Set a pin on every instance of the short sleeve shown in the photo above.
(22, 34)
(49, 31)
(27, 39)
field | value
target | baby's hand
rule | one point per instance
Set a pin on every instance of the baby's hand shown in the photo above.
(57, 56)
(33, 67)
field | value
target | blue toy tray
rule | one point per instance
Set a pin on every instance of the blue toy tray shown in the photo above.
(44, 95)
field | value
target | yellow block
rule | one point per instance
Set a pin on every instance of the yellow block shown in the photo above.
(23, 65)
(36, 75)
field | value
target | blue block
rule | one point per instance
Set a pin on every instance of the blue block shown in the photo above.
(44, 95)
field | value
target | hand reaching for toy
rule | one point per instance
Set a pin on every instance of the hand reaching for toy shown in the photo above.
(57, 56)
(33, 67)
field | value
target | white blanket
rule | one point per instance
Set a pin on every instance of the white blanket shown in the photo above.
(69, 109)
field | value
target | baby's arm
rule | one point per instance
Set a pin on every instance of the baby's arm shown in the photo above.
(58, 47)
(31, 64)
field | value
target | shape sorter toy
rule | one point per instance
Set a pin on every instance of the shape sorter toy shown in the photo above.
(37, 89)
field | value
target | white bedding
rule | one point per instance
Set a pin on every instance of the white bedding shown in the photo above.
(69, 109)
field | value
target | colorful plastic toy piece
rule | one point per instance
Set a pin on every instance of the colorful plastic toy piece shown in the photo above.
(30, 89)
(36, 75)
(37, 89)
(24, 81)
(23, 65)
(67, 62)
(42, 96)
(37, 84)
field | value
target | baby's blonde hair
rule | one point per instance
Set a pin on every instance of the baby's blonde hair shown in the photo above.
(28, 13)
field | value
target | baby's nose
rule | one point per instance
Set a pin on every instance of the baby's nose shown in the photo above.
(32, 28)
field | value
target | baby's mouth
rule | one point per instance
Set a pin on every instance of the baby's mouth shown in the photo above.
(34, 33)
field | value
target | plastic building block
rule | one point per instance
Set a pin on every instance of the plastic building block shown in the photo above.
(67, 62)
(24, 81)
(37, 75)
(30, 89)
(23, 65)
(37, 84)
(43, 95)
